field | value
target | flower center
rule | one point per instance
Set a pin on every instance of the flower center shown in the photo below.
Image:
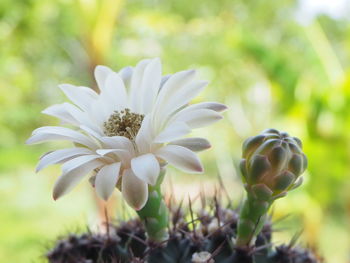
(124, 123)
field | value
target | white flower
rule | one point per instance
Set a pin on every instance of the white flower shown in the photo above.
(126, 132)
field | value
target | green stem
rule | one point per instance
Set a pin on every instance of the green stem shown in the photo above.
(154, 215)
(251, 220)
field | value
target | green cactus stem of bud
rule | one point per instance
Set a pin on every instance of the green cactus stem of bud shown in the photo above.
(271, 166)
(154, 215)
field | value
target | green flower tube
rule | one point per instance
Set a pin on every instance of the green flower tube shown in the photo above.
(154, 215)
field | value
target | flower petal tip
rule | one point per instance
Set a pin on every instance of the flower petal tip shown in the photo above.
(63, 86)
(98, 67)
(28, 141)
(139, 208)
(199, 169)
(191, 72)
(104, 196)
(156, 59)
(56, 195)
(223, 108)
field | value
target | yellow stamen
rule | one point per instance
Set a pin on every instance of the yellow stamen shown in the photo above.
(124, 123)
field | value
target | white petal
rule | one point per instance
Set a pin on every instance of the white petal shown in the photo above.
(97, 134)
(173, 131)
(114, 94)
(150, 84)
(172, 85)
(117, 142)
(48, 133)
(122, 155)
(144, 136)
(126, 74)
(78, 161)
(71, 114)
(218, 107)
(61, 156)
(106, 180)
(101, 73)
(182, 97)
(103, 152)
(83, 97)
(146, 167)
(193, 144)
(164, 79)
(62, 111)
(134, 190)
(67, 181)
(181, 157)
(197, 118)
(135, 86)
(100, 111)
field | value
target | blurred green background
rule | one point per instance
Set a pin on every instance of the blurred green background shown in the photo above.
(282, 64)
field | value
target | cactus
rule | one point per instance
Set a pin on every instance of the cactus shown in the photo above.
(209, 237)
(271, 166)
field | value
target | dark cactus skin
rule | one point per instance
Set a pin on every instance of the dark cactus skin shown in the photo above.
(272, 164)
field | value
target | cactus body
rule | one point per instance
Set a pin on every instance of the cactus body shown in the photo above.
(128, 244)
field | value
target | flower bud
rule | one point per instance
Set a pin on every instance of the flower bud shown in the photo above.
(272, 163)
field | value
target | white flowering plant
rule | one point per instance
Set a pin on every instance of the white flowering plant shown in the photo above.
(127, 133)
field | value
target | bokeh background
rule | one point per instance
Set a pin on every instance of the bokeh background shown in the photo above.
(282, 64)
